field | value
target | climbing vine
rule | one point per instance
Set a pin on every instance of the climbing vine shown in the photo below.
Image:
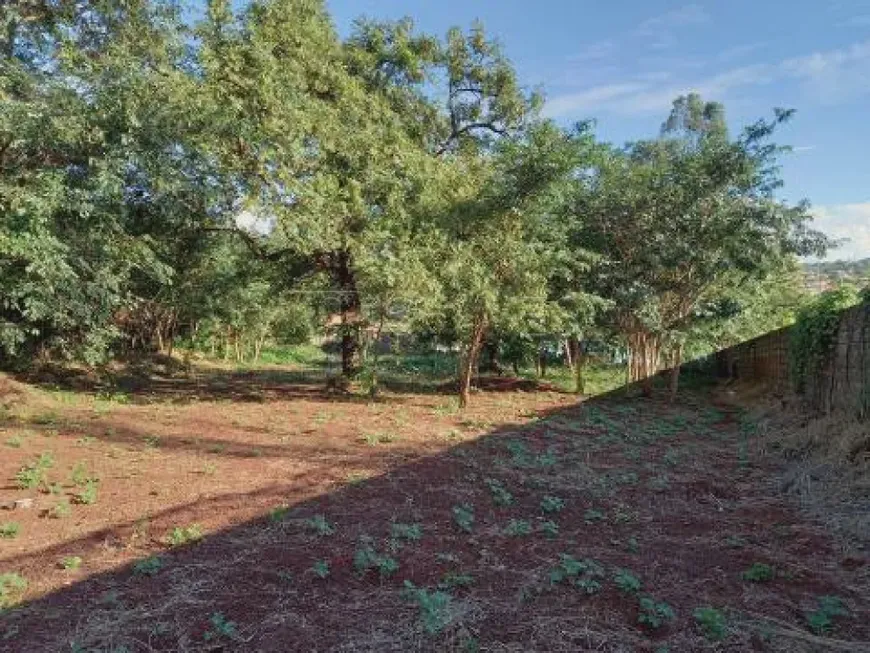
(815, 332)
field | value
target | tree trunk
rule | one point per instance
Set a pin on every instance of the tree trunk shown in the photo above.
(469, 362)
(492, 363)
(577, 362)
(542, 361)
(569, 358)
(674, 380)
(350, 308)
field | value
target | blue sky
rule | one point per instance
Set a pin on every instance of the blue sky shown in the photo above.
(623, 62)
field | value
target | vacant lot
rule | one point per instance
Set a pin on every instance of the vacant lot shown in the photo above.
(251, 512)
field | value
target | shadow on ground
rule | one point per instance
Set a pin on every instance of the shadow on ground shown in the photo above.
(466, 551)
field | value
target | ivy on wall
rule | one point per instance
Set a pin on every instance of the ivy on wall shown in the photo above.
(815, 332)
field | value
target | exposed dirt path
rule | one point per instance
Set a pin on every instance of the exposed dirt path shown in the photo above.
(527, 524)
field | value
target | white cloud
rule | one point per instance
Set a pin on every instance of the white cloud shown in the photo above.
(850, 222)
(829, 77)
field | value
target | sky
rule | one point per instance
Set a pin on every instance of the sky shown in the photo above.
(623, 62)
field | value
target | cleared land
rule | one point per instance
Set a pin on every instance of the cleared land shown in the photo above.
(252, 512)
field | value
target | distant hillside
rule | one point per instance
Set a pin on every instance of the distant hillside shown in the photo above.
(827, 274)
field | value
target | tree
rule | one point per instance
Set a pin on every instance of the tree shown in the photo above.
(675, 217)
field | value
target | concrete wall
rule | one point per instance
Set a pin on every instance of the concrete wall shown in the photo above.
(841, 383)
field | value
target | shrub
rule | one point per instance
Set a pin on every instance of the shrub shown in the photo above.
(33, 475)
(550, 504)
(626, 581)
(182, 535)
(654, 613)
(463, 516)
(12, 586)
(759, 573)
(9, 530)
(711, 622)
(320, 525)
(821, 620)
(434, 607)
(149, 566)
(408, 532)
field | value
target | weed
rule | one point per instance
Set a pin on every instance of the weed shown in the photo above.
(653, 613)
(821, 620)
(453, 579)
(434, 607)
(33, 475)
(585, 574)
(12, 586)
(632, 545)
(711, 622)
(9, 530)
(366, 557)
(374, 439)
(321, 569)
(152, 441)
(148, 566)
(463, 516)
(79, 474)
(517, 528)
(407, 532)
(55, 489)
(591, 516)
(88, 494)
(500, 495)
(47, 418)
(71, 563)
(209, 469)
(278, 513)
(626, 581)
(320, 526)
(15, 442)
(550, 504)
(549, 528)
(759, 573)
(60, 509)
(220, 628)
(182, 535)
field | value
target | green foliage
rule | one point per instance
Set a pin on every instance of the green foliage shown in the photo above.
(407, 532)
(9, 529)
(12, 586)
(821, 620)
(653, 613)
(88, 494)
(626, 581)
(61, 509)
(815, 331)
(71, 563)
(321, 569)
(434, 606)
(149, 566)
(366, 557)
(463, 517)
(517, 528)
(711, 622)
(551, 504)
(759, 572)
(320, 526)
(181, 535)
(220, 628)
(500, 494)
(587, 574)
(549, 528)
(34, 474)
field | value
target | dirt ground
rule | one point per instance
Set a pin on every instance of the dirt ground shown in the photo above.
(249, 512)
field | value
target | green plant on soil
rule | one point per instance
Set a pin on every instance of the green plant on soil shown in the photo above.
(406, 532)
(551, 504)
(34, 474)
(88, 494)
(549, 528)
(71, 563)
(711, 622)
(9, 529)
(321, 569)
(454, 579)
(821, 620)
(759, 572)
(149, 566)
(320, 526)
(12, 586)
(517, 528)
(586, 575)
(181, 535)
(500, 495)
(366, 557)
(626, 581)
(654, 614)
(220, 628)
(61, 509)
(434, 606)
(463, 517)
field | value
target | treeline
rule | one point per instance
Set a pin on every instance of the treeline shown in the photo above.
(250, 175)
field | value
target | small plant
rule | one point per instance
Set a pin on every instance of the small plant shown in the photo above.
(591, 516)
(321, 569)
(149, 566)
(12, 586)
(209, 469)
(549, 528)
(79, 474)
(366, 557)
(320, 526)
(434, 607)
(550, 504)
(278, 513)
(500, 495)
(152, 441)
(33, 475)
(9, 530)
(517, 528)
(463, 517)
(220, 628)
(182, 535)
(60, 509)
(759, 573)
(711, 622)
(88, 494)
(407, 532)
(821, 620)
(15, 441)
(71, 563)
(653, 613)
(626, 581)
(453, 579)
(585, 574)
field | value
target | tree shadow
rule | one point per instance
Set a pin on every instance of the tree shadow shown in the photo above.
(480, 527)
